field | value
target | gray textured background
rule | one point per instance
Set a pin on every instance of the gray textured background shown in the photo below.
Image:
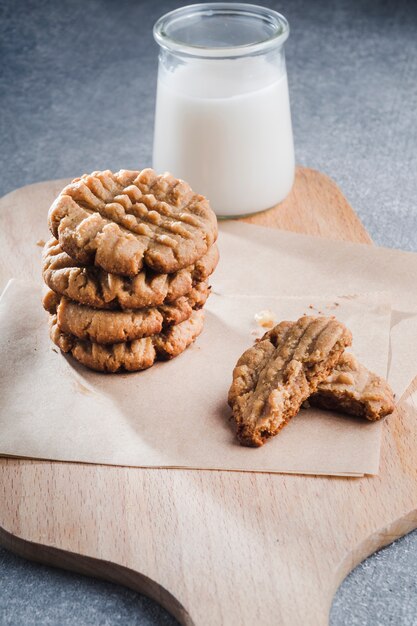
(77, 82)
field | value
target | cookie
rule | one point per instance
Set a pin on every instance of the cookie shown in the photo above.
(114, 326)
(353, 389)
(94, 287)
(271, 381)
(132, 355)
(126, 220)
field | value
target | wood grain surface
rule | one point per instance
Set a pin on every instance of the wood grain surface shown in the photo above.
(212, 547)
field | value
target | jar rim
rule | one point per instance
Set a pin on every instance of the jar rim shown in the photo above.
(278, 36)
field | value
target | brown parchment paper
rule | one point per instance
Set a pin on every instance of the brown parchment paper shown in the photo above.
(175, 414)
(262, 260)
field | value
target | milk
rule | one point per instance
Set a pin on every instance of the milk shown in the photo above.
(225, 127)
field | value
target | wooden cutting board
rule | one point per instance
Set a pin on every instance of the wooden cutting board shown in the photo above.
(212, 547)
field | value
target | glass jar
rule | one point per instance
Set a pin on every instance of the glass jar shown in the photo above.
(222, 119)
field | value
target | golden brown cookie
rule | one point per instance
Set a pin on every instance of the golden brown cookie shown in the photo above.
(132, 355)
(94, 287)
(126, 220)
(103, 326)
(270, 382)
(353, 389)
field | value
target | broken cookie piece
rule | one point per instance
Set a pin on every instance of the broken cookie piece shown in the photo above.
(272, 379)
(353, 389)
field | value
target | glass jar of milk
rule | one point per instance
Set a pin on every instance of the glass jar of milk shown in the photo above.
(222, 119)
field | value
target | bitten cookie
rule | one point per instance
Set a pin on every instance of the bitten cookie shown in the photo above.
(103, 326)
(270, 382)
(133, 355)
(126, 220)
(351, 388)
(94, 287)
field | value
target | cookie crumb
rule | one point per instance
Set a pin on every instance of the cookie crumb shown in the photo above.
(265, 318)
(40, 243)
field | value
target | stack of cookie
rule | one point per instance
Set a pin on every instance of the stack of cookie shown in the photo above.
(127, 268)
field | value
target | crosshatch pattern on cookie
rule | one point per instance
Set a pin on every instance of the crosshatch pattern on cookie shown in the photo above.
(134, 355)
(270, 382)
(350, 388)
(95, 287)
(121, 221)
